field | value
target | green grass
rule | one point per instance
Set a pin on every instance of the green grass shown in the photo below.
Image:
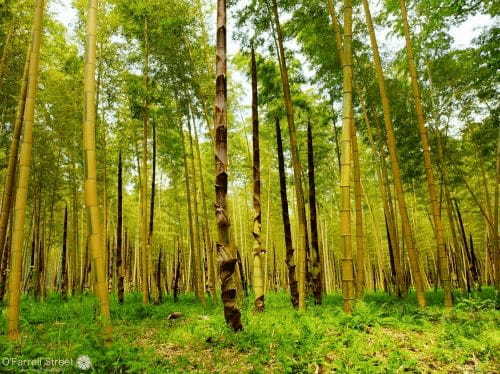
(383, 335)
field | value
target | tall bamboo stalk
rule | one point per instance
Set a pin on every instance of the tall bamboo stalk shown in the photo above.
(119, 231)
(192, 238)
(296, 165)
(9, 183)
(153, 290)
(316, 258)
(385, 191)
(360, 255)
(258, 251)
(91, 199)
(424, 139)
(496, 208)
(358, 196)
(408, 236)
(144, 177)
(208, 240)
(225, 250)
(289, 258)
(345, 171)
(23, 179)
(199, 289)
(64, 256)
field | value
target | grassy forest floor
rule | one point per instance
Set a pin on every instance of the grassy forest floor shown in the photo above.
(383, 335)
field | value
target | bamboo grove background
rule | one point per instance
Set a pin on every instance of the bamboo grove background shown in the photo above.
(154, 126)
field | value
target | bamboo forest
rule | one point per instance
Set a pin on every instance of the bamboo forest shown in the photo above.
(249, 186)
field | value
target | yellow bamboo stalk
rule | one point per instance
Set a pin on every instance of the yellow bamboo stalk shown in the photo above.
(91, 199)
(23, 179)
(198, 256)
(424, 139)
(396, 172)
(345, 173)
(10, 174)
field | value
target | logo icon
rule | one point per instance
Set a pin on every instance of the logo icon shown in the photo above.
(83, 362)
